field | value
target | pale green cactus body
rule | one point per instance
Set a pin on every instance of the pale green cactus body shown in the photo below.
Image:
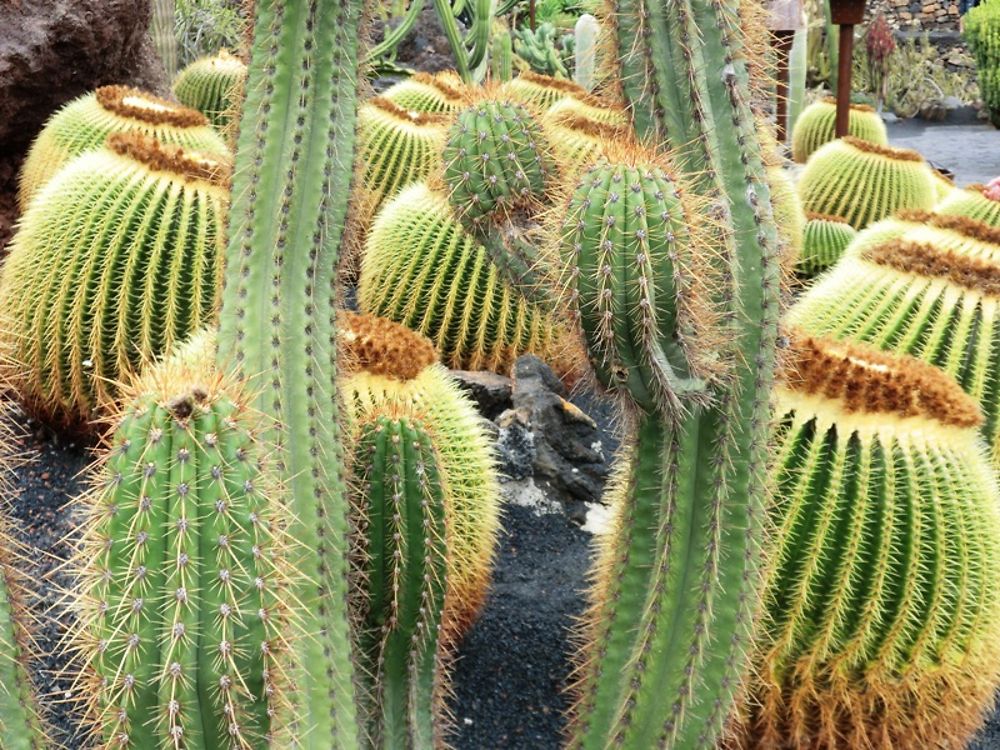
(212, 86)
(586, 33)
(973, 203)
(815, 127)
(539, 92)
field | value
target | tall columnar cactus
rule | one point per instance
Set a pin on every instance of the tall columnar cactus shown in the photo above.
(502, 57)
(973, 202)
(982, 33)
(424, 92)
(183, 621)
(539, 92)
(86, 122)
(862, 183)
(882, 611)
(788, 214)
(676, 589)
(913, 298)
(815, 127)
(824, 240)
(291, 188)
(586, 33)
(117, 258)
(212, 85)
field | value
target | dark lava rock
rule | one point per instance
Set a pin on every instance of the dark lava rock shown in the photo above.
(426, 47)
(490, 391)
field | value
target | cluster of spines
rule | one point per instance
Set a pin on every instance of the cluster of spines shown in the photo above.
(815, 127)
(425, 92)
(118, 259)
(824, 240)
(183, 595)
(212, 86)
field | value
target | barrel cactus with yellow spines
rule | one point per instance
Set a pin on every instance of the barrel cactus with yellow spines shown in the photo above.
(421, 268)
(579, 132)
(788, 214)
(909, 297)
(116, 259)
(815, 127)
(957, 234)
(426, 92)
(823, 242)
(881, 611)
(212, 85)
(862, 182)
(85, 123)
(974, 202)
(183, 594)
(540, 92)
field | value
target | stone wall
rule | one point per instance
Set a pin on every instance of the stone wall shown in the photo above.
(918, 14)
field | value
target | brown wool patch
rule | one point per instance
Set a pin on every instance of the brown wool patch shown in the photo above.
(383, 347)
(925, 260)
(561, 84)
(865, 380)
(889, 152)
(429, 79)
(811, 216)
(411, 116)
(590, 127)
(971, 228)
(112, 98)
(174, 159)
(853, 107)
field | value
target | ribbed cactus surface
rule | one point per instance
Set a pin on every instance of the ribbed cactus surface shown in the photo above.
(184, 608)
(212, 86)
(579, 132)
(816, 126)
(496, 158)
(913, 298)
(426, 92)
(971, 202)
(882, 616)
(862, 182)
(118, 258)
(788, 214)
(823, 242)
(86, 122)
(957, 234)
(421, 268)
(539, 92)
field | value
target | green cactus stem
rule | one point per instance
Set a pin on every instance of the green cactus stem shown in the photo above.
(502, 57)
(117, 259)
(291, 189)
(815, 127)
(863, 183)
(424, 92)
(541, 48)
(973, 203)
(675, 592)
(824, 240)
(182, 600)
(213, 86)
(882, 614)
(788, 214)
(86, 122)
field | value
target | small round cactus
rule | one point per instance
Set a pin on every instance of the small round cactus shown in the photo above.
(539, 92)
(117, 258)
(212, 85)
(86, 122)
(824, 240)
(424, 92)
(495, 160)
(183, 608)
(862, 182)
(421, 268)
(815, 127)
(881, 611)
(973, 202)
(397, 146)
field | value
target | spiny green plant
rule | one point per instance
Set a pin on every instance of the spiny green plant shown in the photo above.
(815, 127)
(586, 34)
(502, 57)
(424, 92)
(212, 86)
(542, 48)
(943, 185)
(862, 182)
(972, 202)
(117, 259)
(913, 298)
(982, 33)
(423, 269)
(86, 122)
(396, 147)
(788, 214)
(823, 242)
(881, 614)
(183, 595)
(577, 140)
(539, 92)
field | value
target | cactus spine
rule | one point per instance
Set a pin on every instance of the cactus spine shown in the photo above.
(277, 327)
(676, 587)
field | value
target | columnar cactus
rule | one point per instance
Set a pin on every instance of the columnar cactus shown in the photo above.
(882, 611)
(182, 599)
(86, 122)
(212, 85)
(118, 258)
(788, 214)
(982, 33)
(972, 202)
(823, 242)
(539, 92)
(815, 127)
(424, 92)
(676, 588)
(586, 33)
(862, 182)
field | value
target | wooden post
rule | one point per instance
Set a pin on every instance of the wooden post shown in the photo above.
(531, 14)
(844, 78)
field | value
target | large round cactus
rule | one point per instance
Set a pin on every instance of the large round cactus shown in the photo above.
(539, 92)
(117, 258)
(425, 92)
(815, 127)
(211, 85)
(579, 132)
(86, 122)
(422, 269)
(974, 202)
(882, 613)
(184, 613)
(823, 242)
(862, 182)
(957, 234)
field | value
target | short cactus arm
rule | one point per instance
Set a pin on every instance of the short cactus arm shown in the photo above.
(396, 35)
(291, 189)
(470, 52)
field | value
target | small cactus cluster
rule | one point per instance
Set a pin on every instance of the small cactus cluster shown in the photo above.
(183, 599)
(982, 34)
(85, 123)
(543, 49)
(824, 240)
(118, 259)
(881, 610)
(862, 182)
(212, 86)
(815, 127)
